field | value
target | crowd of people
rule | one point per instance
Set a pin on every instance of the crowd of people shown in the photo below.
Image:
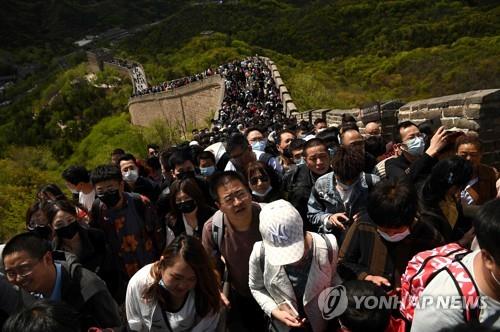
(253, 225)
(170, 85)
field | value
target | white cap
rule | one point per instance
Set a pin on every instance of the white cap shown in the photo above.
(193, 143)
(281, 227)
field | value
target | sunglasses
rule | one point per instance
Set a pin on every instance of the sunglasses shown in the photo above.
(262, 178)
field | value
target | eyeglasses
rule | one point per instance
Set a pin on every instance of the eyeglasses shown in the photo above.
(240, 195)
(22, 271)
(262, 178)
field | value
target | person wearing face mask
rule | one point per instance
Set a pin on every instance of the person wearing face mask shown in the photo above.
(439, 203)
(414, 160)
(88, 244)
(378, 248)
(134, 182)
(338, 196)
(37, 222)
(256, 139)
(189, 211)
(263, 182)
(484, 268)
(207, 164)
(130, 224)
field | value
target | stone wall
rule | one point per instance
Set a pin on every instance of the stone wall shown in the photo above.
(288, 105)
(475, 110)
(188, 106)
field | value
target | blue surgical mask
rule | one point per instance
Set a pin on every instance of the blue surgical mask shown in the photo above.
(162, 284)
(415, 146)
(207, 171)
(259, 145)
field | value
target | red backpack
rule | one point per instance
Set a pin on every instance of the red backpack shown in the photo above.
(424, 266)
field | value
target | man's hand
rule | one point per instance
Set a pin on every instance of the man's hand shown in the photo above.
(438, 142)
(338, 220)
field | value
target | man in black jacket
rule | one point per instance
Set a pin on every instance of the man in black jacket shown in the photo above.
(29, 264)
(297, 184)
(413, 161)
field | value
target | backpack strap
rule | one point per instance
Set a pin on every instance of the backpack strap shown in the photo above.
(218, 230)
(262, 256)
(369, 180)
(467, 288)
(328, 246)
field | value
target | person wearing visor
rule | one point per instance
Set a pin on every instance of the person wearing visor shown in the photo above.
(289, 269)
(415, 161)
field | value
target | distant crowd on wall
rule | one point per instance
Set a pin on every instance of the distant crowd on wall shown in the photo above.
(265, 223)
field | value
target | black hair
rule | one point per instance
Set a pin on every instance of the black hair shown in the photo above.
(118, 151)
(393, 203)
(375, 145)
(76, 174)
(348, 163)
(42, 316)
(105, 172)
(153, 146)
(250, 129)
(296, 144)
(52, 189)
(179, 157)
(278, 136)
(454, 171)
(127, 157)
(51, 209)
(330, 136)
(401, 125)
(360, 319)
(319, 120)
(487, 228)
(236, 140)
(34, 245)
(313, 143)
(165, 155)
(206, 155)
(220, 179)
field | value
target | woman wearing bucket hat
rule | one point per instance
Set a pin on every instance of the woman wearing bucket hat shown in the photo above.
(290, 268)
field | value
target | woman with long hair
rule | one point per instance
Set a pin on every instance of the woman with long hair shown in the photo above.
(189, 210)
(177, 293)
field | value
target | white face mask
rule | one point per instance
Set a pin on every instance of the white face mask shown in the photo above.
(415, 146)
(264, 194)
(495, 278)
(394, 238)
(131, 175)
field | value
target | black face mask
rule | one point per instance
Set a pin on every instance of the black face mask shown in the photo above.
(186, 175)
(110, 197)
(68, 232)
(187, 206)
(42, 231)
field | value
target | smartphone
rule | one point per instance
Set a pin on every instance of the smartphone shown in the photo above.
(288, 307)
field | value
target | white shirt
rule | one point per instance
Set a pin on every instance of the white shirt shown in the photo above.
(146, 316)
(434, 317)
(86, 199)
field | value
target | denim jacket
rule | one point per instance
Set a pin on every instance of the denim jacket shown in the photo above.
(325, 199)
